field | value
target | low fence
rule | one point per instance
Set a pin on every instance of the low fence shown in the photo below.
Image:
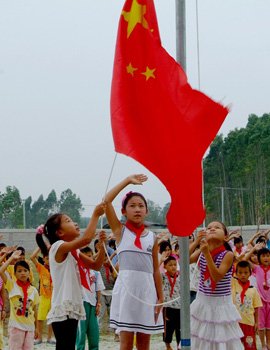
(26, 238)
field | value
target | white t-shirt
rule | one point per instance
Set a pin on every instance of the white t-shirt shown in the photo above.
(96, 284)
(67, 299)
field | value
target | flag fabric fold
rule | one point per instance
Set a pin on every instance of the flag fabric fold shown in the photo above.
(157, 118)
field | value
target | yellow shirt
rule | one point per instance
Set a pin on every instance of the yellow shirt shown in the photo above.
(252, 300)
(45, 281)
(24, 322)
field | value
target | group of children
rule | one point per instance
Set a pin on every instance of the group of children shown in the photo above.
(227, 311)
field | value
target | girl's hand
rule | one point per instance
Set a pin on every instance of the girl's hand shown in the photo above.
(7, 250)
(201, 236)
(204, 246)
(164, 256)
(15, 255)
(102, 237)
(3, 315)
(98, 307)
(259, 246)
(137, 179)
(157, 310)
(100, 209)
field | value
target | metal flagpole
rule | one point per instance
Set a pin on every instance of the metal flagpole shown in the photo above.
(183, 241)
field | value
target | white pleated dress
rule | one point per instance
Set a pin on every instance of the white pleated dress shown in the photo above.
(135, 279)
(214, 317)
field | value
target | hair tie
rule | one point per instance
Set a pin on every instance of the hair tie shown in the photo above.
(125, 197)
(40, 230)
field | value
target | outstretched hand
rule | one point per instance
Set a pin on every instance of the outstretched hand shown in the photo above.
(137, 179)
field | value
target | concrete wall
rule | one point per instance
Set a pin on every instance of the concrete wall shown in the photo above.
(26, 238)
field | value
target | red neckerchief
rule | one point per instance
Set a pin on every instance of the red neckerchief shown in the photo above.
(172, 282)
(24, 286)
(245, 286)
(138, 231)
(107, 272)
(214, 253)
(265, 270)
(82, 271)
(238, 250)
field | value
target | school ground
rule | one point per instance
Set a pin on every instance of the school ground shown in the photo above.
(106, 343)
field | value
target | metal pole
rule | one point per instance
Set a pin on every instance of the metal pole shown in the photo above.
(222, 204)
(183, 241)
(24, 216)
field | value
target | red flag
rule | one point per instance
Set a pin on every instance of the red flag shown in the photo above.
(157, 118)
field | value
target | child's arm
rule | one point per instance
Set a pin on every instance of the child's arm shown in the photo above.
(96, 263)
(37, 335)
(157, 280)
(80, 242)
(33, 256)
(15, 255)
(193, 252)
(98, 305)
(217, 273)
(4, 299)
(251, 241)
(112, 218)
(256, 317)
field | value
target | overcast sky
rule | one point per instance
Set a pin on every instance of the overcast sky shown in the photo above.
(56, 60)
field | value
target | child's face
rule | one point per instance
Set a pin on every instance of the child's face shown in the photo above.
(135, 210)
(239, 245)
(265, 259)
(254, 259)
(215, 231)
(89, 254)
(243, 274)
(22, 274)
(68, 229)
(171, 267)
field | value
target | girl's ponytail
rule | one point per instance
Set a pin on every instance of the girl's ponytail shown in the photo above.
(40, 240)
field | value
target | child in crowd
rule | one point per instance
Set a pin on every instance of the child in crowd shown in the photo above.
(45, 291)
(214, 317)
(171, 313)
(138, 286)
(194, 272)
(262, 274)
(23, 304)
(67, 272)
(92, 303)
(247, 300)
(10, 268)
(165, 250)
(239, 248)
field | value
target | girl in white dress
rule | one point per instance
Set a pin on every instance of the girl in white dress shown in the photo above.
(138, 286)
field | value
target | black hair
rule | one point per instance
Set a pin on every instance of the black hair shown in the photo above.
(111, 244)
(131, 194)
(170, 258)
(22, 249)
(163, 245)
(238, 240)
(261, 239)
(176, 246)
(2, 245)
(96, 241)
(22, 263)
(86, 250)
(243, 264)
(261, 252)
(50, 232)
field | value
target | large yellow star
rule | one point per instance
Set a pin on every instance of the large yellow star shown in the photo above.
(149, 73)
(131, 69)
(135, 16)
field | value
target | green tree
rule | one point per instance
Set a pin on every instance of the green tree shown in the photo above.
(11, 208)
(71, 205)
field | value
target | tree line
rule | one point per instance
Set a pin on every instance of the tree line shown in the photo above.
(237, 174)
(236, 185)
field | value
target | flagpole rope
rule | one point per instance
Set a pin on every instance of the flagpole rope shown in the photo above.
(127, 290)
(198, 46)
(110, 176)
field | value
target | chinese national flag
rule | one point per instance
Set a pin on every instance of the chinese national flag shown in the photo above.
(157, 118)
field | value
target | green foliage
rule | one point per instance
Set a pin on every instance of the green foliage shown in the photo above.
(240, 164)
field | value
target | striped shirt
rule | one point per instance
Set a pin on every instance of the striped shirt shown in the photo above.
(223, 287)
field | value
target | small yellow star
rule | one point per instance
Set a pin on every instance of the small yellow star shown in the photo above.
(135, 16)
(130, 69)
(149, 73)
